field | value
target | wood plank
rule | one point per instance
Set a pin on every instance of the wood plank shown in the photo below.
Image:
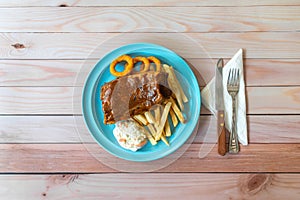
(38, 129)
(152, 186)
(62, 129)
(36, 100)
(59, 100)
(286, 126)
(80, 45)
(39, 72)
(160, 19)
(39, 158)
(191, 3)
(258, 72)
(273, 100)
(261, 129)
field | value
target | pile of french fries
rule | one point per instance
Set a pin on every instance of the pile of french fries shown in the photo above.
(155, 121)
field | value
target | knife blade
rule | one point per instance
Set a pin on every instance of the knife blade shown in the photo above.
(219, 105)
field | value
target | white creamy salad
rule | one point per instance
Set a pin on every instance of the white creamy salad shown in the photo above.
(130, 135)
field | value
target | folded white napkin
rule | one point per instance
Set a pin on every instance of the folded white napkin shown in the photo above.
(208, 98)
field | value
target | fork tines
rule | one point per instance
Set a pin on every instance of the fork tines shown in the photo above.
(233, 77)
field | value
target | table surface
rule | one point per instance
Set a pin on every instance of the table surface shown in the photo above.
(43, 46)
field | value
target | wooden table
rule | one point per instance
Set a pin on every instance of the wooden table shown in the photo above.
(43, 46)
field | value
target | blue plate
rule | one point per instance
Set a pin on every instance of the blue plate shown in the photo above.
(92, 107)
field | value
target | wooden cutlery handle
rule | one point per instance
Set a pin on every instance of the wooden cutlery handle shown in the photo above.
(222, 133)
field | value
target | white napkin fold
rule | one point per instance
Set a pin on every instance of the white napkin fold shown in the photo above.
(208, 98)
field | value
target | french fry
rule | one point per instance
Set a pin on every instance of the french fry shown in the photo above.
(157, 117)
(163, 120)
(183, 96)
(164, 139)
(173, 85)
(149, 117)
(144, 121)
(178, 85)
(150, 137)
(177, 111)
(137, 121)
(141, 119)
(152, 130)
(157, 114)
(153, 126)
(167, 128)
(173, 118)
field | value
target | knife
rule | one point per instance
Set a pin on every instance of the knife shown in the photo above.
(219, 105)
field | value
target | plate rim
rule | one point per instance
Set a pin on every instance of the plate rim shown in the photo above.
(88, 94)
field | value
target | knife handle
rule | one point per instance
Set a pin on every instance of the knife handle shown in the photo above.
(222, 133)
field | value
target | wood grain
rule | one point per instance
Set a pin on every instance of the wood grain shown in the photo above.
(261, 129)
(80, 45)
(39, 158)
(39, 72)
(273, 100)
(58, 100)
(153, 3)
(62, 129)
(44, 45)
(36, 100)
(258, 72)
(155, 185)
(160, 19)
(38, 129)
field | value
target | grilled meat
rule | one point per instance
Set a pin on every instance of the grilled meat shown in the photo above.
(134, 94)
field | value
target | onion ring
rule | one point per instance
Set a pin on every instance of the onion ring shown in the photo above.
(127, 68)
(156, 61)
(144, 60)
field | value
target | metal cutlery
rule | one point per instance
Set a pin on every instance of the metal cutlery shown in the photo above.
(233, 89)
(219, 105)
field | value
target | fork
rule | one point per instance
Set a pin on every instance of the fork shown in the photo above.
(233, 89)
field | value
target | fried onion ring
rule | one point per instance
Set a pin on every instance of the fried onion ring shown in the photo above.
(156, 61)
(127, 68)
(144, 60)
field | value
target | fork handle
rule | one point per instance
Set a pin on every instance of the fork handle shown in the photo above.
(233, 138)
